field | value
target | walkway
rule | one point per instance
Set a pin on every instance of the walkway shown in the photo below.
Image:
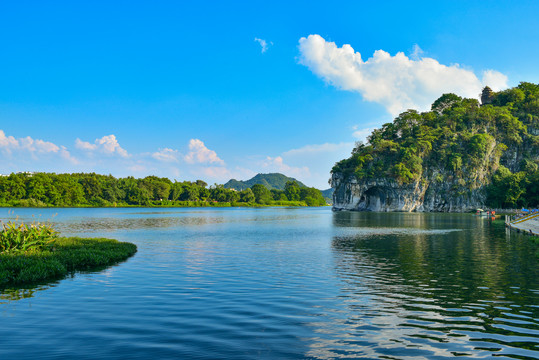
(525, 224)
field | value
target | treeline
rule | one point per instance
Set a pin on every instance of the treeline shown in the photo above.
(74, 190)
(493, 145)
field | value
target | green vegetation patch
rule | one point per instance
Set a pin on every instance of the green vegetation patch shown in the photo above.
(93, 190)
(62, 257)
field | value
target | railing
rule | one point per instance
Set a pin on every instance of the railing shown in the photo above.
(512, 224)
(525, 218)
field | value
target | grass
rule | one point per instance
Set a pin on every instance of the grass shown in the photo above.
(59, 259)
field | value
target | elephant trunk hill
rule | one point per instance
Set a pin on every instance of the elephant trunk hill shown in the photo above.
(459, 156)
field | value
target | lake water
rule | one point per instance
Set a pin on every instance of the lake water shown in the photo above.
(278, 283)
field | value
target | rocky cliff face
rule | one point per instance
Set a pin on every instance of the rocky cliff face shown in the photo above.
(437, 190)
(388, 195)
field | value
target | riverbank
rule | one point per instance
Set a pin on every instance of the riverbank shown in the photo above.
(66, 256)
(160, 204)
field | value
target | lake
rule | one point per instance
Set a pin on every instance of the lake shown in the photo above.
(282, 283)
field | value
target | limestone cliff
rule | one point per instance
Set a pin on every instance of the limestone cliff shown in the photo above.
(387, 195)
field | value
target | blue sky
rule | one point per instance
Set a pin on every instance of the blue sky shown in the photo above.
(183, 89)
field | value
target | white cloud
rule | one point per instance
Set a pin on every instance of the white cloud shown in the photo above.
(37, 145)
(166, 155)
(83, 145)
(200, 154)
(397, 82)
(33, 147)
(263, 44)
(494, 79)
(8, 143)
(277, 164)
(107, 144)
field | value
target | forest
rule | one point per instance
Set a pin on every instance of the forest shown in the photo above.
(492, 145)
(94, 190)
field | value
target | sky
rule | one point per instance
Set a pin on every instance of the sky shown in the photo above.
(215, 90)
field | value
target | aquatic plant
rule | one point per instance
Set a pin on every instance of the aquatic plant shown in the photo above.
(20, 237)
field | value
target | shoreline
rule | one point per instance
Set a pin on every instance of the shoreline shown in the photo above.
(191, 205)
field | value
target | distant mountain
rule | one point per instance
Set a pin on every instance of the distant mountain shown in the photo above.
(328, 195)
(270, 181)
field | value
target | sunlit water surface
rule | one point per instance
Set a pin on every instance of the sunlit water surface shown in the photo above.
(282, 283)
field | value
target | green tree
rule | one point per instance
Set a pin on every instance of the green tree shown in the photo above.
(261, 193)
(247, 196)
(292, 191)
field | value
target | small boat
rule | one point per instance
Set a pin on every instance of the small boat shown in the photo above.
(484, 213)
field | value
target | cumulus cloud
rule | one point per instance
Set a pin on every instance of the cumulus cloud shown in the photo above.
(83, 145)
(200, 154)
(396, 82)
(33, 147)
(494, 79)
(107, 144)
(276, 164)
(9, 144)
(263, 44)
(166, 155)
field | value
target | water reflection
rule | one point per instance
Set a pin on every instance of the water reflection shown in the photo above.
(419, 294)
(7, 295)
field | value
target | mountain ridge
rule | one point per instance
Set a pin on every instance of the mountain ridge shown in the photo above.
(271, 181)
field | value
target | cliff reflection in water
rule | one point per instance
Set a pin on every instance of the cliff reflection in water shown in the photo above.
(413, 292)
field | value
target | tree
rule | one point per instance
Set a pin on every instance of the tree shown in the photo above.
(247, 196)
(292, 191)
(446, 101)
(201, 183)
(312, 196)
(261, 193)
